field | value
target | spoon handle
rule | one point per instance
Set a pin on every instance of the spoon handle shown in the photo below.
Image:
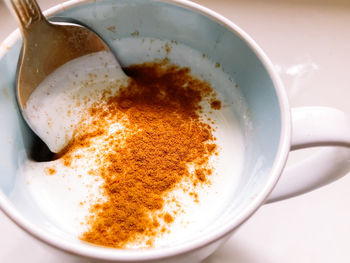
(27, 11)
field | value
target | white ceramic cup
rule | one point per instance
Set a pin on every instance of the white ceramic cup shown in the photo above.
(275, 131)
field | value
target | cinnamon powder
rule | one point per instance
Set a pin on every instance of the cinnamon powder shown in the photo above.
(162, 141)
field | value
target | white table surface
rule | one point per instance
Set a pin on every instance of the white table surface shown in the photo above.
(309, 42)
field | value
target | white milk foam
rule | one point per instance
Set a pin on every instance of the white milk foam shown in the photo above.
(56, 105)
(66, 196)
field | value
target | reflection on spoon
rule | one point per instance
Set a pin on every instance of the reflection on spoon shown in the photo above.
(46, 47)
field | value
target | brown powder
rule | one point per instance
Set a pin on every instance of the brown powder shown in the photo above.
(50, 170)
(111, 28)
(162, 137)
(216, 104)
(168, 218)
(167, 48)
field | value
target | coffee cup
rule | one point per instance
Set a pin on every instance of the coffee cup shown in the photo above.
(273, 129)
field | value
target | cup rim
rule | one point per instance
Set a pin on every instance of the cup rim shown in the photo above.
(96, 252)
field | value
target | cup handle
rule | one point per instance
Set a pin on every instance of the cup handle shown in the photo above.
(315, 126)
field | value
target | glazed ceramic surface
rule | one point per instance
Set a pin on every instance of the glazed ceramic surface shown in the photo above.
(12, 120)
(267, 130)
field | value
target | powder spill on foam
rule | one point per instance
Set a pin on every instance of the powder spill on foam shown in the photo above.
(147, 139)
(80, 168)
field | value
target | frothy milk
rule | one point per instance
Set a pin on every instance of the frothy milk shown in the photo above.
(56, 105)
(65, 194)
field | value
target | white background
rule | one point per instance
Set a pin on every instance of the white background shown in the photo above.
(309, 43)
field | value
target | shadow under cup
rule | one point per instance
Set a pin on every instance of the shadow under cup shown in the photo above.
(143, 18)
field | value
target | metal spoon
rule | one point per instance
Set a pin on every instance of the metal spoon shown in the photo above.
(47, 46)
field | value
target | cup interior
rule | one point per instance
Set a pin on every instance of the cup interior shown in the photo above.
(255, 101)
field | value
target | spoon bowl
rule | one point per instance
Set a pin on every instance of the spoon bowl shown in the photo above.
(46, 47)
